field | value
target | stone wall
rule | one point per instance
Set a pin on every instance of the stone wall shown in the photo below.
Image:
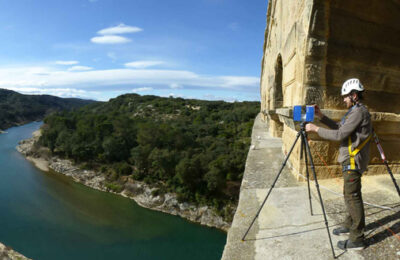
(364, 42)
(284, 54)
(310, 49)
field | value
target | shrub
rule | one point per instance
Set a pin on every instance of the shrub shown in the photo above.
(114, 187)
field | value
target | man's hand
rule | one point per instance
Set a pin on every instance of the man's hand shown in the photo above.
(317, 111)
(311, 128)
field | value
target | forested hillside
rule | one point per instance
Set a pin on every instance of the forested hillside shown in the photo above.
(195, 148)
(16, 108)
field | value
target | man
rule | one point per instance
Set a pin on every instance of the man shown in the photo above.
(354, 133)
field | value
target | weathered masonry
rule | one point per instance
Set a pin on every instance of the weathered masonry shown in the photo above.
(311, 47)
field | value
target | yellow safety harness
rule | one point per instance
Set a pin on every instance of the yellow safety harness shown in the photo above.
(356, 151)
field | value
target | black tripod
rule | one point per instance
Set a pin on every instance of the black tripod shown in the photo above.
(306, 149)
(383, 157)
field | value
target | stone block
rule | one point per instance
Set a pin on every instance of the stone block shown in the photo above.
(375, 169)
(321, 44)
(289, 74)
(387, 128)
(316, 48)
(374, 77)
(313, 95)
(328, 172)
(318, 19)
(290, 44)
(369, 10)
(275, 128)
(313, 73)
(391, 150)
(319, 152)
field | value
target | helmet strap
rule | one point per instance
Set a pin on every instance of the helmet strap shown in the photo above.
(353, 101)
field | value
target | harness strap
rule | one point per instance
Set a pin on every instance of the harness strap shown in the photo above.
(356, 151)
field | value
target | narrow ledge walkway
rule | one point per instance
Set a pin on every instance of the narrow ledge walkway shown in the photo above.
(285, 228)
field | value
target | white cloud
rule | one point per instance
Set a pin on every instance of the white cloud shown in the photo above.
(214, 97)
(142, 64)
(51, 80)
(80, 68)
(175, 86)
(67, 62)
(120, 29)
(142, 89)
(108, 35)
(109, 39)
(237, 81)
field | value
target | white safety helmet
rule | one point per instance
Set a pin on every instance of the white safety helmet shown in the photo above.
(351, 84)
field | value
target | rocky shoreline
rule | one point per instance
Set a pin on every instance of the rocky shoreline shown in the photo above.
(138, 191)
(6, 253)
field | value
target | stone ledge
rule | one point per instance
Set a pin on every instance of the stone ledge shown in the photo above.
(285, 229)
(285, 115)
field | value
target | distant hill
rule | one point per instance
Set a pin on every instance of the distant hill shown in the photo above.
(17, 109)
(194, 148)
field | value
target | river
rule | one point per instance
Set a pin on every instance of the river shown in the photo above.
(48, 216)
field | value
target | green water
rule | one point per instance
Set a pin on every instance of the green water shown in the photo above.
(48, 216)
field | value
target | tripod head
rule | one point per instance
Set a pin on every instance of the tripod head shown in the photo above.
(303, 139)
(303, 125)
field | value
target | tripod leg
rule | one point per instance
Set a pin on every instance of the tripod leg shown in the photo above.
(272, 186)
(382, 153)
(303, 141)
(319, 192)
(302, 148)
(391, 175)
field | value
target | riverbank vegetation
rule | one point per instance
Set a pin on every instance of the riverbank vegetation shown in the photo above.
(194, 148)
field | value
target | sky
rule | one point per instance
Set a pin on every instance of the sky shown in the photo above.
(99, 49)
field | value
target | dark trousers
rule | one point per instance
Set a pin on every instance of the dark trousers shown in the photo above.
(355, 220)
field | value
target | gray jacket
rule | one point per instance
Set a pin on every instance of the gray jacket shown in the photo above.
(357, 124)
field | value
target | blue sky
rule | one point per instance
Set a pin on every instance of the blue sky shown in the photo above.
(99, 49)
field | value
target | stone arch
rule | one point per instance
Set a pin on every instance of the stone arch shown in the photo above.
(278, 90)
(276, 98)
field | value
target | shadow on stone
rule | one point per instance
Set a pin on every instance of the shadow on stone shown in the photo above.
(393, 230)
(286, 235)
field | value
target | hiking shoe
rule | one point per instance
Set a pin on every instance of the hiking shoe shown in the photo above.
(348, 245)
(340, 231)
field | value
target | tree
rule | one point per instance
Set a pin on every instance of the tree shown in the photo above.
(188, 173)
(192, 147)
(115, 149)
